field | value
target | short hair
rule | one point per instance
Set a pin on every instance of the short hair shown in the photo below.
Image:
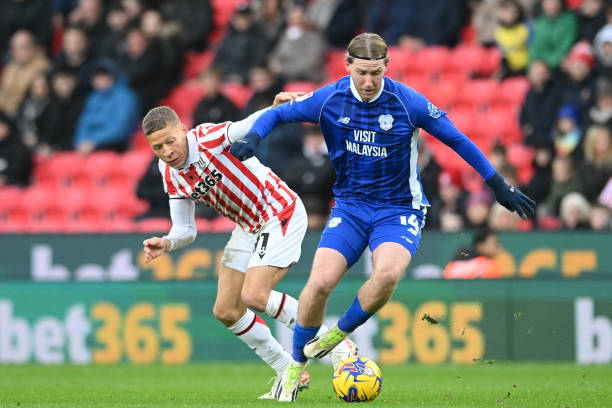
(158, 118)
(367, 46)
(481, 235)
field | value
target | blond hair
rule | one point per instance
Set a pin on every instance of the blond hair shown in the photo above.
(158, 118)
(368, 46)
(589, 146)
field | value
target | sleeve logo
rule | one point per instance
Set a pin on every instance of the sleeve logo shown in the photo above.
(301, 98)
(434, 112)
(385, 122)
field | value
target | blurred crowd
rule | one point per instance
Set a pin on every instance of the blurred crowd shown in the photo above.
(78, 75)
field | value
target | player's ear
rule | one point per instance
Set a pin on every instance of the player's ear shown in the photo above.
(184, 127)
(347, 64)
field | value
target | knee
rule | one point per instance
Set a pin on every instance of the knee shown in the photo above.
(319, 287)
(388, 278)
(255, 299)
(227, 314)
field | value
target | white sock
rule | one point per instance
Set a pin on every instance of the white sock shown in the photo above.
(283, 308)
(255, 333)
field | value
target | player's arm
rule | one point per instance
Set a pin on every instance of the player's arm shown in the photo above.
(238, 130)
(306, 108)
(182, 233)
(425, 115)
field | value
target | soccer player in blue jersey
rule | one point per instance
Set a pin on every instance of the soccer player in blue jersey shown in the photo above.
(371, 126)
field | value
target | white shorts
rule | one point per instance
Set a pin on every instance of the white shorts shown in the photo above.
(270, 246)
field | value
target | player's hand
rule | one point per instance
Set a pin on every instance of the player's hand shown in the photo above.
(510, 197)
(245, 148)
(154, 247)
(283, 97)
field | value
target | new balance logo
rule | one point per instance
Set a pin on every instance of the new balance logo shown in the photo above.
(344, 120)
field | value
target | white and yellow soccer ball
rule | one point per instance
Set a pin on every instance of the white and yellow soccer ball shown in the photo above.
(357, 379)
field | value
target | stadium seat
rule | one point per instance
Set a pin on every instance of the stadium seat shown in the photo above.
(300, 86)
(491, 62)
(237, 93)
(513, 91)
(133, 164)
(443, 94)
(203, 224)
(161, 225)
(400, 63)
(100, 166)
(334, 65)
(479, 93)
(61, 170)
(222, 224)
(418, 82)
(119, 225)
(10, 199)
(431, 60)
(467, 58)
(185, 97)
(196, 63)
(223, 10)
(503, 124)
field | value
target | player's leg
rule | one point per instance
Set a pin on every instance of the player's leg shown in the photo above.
(394, 239)
(233, 311)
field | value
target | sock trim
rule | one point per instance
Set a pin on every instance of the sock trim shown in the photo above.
(280, 308)
(249, 327)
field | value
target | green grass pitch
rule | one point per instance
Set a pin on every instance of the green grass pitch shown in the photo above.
(486, 384)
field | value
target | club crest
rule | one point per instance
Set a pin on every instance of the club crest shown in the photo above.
(385, 122)
(434, 111)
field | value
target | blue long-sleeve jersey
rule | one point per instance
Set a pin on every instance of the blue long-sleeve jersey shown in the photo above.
(373, 145)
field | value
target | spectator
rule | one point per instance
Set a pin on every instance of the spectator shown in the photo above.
(538, 112)
(142, 66)
(597, 166)
(150, 188)
(300, 52)
(113, 41)
(564, 181)
(338, 20)
(447, 213)
(601, 112)
(429, 170)
(192, 18)
(500, 219)
(567, 134)
(575, 211)
(603, 50)
(311, 176)
(134, 10)
(600, 218)
(58, 128)
(477, 206)
(554, 33)
(591, 18)
(243, 47)
(110, 113)
(450, 221)
(26, 63)
(33, 111)
(579, 81)
(539, 185)
(89, 16)
(168, 41)
(389, 18)
(214, 107)
(271, 17)
(265, 86)
(15, 158)
(497, 156)
(476, 260)
(484, 17)
(75, 54)
(511, 36)
(435, 23)
(32, 16)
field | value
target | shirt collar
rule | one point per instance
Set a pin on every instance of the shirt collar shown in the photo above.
(356, 94)
(193, 153)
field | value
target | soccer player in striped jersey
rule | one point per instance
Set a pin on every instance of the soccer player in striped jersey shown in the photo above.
(370, 124)
(197, 167)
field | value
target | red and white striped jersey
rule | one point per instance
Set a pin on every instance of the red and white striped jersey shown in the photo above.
(248, 192)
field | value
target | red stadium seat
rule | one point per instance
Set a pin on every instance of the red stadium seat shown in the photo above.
(223, 10)
(491, 62)
(161, 225)
(222, 224)
(10, 199)
(334, 65)
(100, 166)
(203, 224)
(513, 91)
(432, 60)
(418, 82)
(467, 58)
(443, 94)
(520, 155)
(237, 93)
(62, 169)
(400, 63)
(196, 63)
(185, 97)
(479, 93)
(503, 124)
(300, 86)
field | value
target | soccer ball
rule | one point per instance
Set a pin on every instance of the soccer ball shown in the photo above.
(357, 379)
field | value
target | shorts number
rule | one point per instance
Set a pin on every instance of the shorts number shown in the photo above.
(413, 223)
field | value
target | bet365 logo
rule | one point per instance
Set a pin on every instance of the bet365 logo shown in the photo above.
(203, 187)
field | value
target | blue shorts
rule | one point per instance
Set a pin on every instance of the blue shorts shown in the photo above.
(354, 224)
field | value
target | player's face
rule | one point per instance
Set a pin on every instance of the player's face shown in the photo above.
(367, 76)
(170, 145)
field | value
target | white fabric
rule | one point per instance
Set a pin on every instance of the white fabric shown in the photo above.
(288, 313)
(238, 130)
(259, 338)
(358, 97)
(246, 250)
(183, 231)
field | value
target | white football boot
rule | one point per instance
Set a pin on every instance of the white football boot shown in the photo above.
(324, 343)
(304, 383)
(345, 349)
(289, 385)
